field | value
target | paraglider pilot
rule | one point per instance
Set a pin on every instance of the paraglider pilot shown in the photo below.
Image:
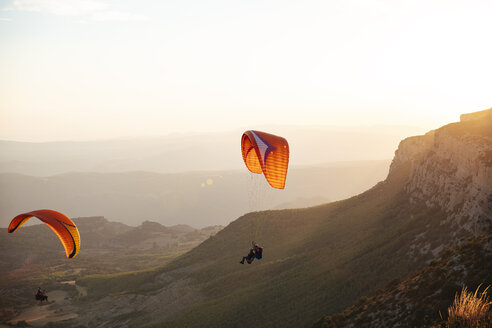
(250, 257)
(254, 252)
(41, 295)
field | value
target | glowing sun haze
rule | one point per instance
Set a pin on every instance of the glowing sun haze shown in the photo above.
(91, 69)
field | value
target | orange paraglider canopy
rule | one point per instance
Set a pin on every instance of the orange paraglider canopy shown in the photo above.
(59, 223)
(268, 154)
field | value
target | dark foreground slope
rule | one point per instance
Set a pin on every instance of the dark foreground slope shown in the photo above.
(421, 299)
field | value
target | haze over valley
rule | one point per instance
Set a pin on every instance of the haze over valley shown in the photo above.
(197, 198)
(190, 179)
(184, 152)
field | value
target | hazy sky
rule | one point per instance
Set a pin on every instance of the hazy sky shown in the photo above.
(91, 69)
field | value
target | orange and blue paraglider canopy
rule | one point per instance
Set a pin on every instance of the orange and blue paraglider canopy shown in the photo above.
(59, 223)
(268, 154)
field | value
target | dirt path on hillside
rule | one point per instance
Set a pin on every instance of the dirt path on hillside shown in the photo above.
(40, 314)
(82, 290)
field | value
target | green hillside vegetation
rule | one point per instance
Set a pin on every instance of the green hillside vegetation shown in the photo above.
(34, 249)
(316, 261)
(33, 256)
(120, 283)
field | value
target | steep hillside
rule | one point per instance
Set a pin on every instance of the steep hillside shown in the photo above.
(421, 299)
(450, 169)
(324, 256)
(314, 259)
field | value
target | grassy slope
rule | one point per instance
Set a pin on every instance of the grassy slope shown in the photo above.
(316, 261)
(33, 256)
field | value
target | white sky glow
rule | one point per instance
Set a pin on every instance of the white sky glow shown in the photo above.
(91, 69)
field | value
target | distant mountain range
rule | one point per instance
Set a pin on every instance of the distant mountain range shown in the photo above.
(195, 198)
(197, 152)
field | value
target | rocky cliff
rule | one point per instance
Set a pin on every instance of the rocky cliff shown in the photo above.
(448, 171)
(451, 168)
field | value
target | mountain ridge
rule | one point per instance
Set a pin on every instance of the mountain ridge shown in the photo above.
(179, 153)
(448, 168)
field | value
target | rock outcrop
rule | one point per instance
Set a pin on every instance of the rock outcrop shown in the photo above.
(421, 299)
(448, 170)
(451, 168)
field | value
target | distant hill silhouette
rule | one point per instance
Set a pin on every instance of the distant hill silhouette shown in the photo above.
(195, 198)
(310, 145)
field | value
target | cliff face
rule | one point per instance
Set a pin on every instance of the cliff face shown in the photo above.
(451, 168)
(447, 171)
